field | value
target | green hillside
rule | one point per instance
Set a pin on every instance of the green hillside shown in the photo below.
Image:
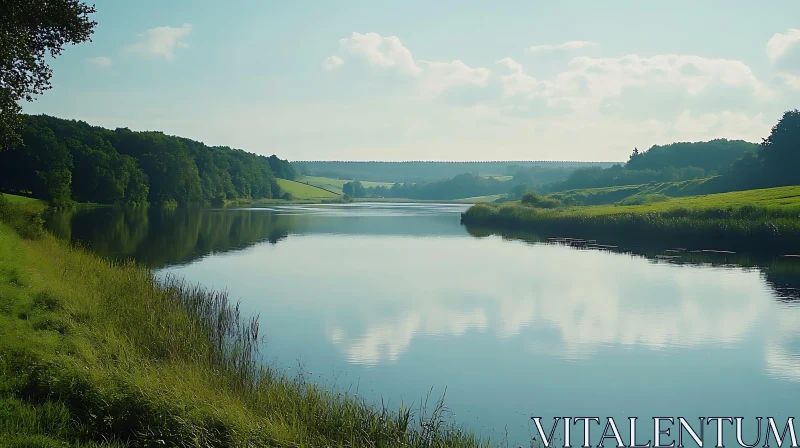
(336, 185)
(303, 191)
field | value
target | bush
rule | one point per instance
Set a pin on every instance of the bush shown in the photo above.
(287, 196)
(534, 200)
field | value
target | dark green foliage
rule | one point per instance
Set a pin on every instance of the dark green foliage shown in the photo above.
(30, 30)
(617, 175)
(517, 191)
(282, 168)
(461, 186)
(780, 152)
(63, 160)
(534, 200)
(354, 189)
(711, 156)
(740, 165)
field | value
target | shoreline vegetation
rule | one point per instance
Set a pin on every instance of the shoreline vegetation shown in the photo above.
(753, 206)
(99, 353)
(758, 221)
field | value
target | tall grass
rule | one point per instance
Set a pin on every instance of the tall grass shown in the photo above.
(101, 353)
(757, 221)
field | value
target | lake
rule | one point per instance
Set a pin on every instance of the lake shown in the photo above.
(393, 301)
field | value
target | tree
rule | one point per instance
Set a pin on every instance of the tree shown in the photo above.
(354, 189)
(780, 151)
(517, 191)
(29, 30)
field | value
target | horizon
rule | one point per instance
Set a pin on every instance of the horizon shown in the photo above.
(393, 82)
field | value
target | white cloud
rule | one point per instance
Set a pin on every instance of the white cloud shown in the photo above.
(161, 41)
(566, 46)
(438, 76)
(332, 62)
(591, 81)
(380, 52)
(793, 82)
(783, 51)
(100, 61)
(587, 85)
(516, 82)
(782, 45)
(389, 53)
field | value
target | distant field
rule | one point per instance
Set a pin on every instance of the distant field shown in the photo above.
(305, 192)
(337, 184)
(502, 178)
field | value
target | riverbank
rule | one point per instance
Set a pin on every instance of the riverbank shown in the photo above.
(96, 353)
(766, 220)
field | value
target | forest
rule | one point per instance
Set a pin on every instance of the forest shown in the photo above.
(460, 186)
(421, 172)
(668, 163)
(660, 164)
(66, 161)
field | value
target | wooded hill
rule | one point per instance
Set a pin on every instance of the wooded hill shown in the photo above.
(67, 160)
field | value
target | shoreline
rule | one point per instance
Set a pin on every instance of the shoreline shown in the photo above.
(98, 353)
(726, 221)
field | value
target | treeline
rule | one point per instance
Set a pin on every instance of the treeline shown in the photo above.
(459, 187)
(420, 172)
(66, 160)
(669, 163)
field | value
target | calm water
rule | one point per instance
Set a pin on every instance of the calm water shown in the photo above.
(392, 300)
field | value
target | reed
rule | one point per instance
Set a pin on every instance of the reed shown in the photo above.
(101, 353)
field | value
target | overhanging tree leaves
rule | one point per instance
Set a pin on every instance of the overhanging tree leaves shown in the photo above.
(29, 31)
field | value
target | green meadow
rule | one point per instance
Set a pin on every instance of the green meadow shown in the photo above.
(303, 191)
(611, 195)
(95, 353)
(336, 184)
(755, 220)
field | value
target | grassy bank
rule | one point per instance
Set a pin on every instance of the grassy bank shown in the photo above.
(303, 191)
(753, 220)
(611, 195)
(96, 353)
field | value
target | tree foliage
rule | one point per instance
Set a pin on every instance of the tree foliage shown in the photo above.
(30, 30)
(354, 189)
(64, 160)
(711, 156)
(780, 152)
(461, 186)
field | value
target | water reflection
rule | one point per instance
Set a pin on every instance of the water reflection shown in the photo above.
(389, 276)
(563, 303)
(160, 237)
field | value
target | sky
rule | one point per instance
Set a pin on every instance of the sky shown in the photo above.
(435, 80)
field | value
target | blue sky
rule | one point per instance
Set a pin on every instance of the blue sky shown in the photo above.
(444, 80)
